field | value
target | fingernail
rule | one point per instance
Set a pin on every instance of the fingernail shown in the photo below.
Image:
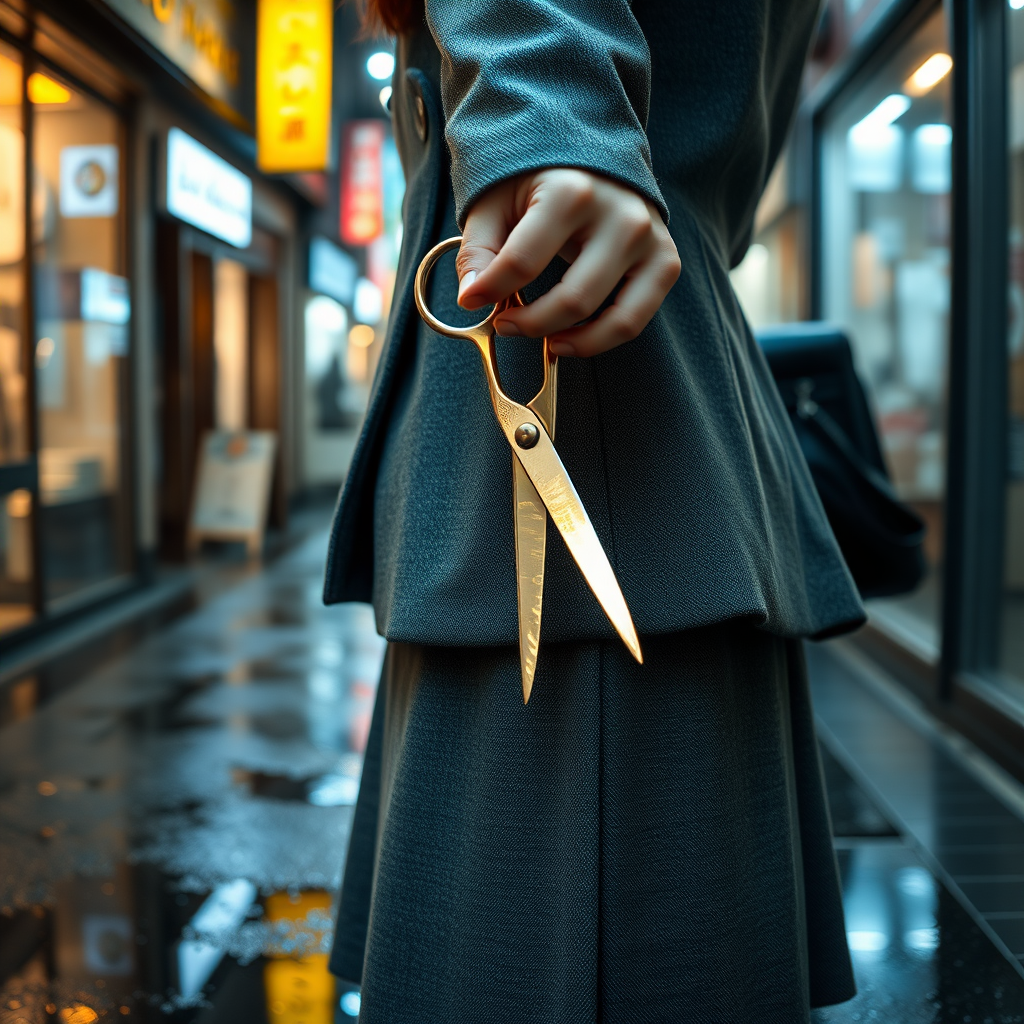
(467, 279)
(561, 348)
(507, 329)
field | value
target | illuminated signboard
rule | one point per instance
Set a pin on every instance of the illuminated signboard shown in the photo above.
(293, 85)
(362, 182)
(332, 271)
(207, 191)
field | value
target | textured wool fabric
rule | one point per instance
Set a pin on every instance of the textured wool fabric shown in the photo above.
(678, 442)
(636, 844)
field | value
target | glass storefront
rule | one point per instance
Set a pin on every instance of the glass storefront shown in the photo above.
(885, 227)
(334, 402)
(82, 314)
(1012, 633)
(65, 524)
(16, 561)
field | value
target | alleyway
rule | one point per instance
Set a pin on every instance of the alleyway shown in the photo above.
(172, 829)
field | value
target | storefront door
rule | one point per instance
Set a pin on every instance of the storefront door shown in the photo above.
(221, 358)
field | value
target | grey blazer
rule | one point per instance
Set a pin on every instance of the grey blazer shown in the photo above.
(677, 442)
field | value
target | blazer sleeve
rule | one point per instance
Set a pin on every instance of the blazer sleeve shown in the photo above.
(528, 84)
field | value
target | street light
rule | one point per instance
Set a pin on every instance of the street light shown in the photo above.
(380, 65)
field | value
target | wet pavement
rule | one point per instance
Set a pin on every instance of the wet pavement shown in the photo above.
(172, 830)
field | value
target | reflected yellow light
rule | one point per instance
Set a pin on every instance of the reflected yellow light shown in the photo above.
(299, 989)
(42, 89)
(929, 74)
(78, 1014)
(361, 336)
(45, 90)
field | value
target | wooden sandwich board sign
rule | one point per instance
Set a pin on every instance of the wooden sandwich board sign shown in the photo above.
(232, 493)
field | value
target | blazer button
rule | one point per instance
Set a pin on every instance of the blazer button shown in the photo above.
(421, 118)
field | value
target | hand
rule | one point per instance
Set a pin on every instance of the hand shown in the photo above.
(606, 231)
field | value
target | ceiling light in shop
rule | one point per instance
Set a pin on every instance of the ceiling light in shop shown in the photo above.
(1017, 4)
(380, 65)
(890, 109)
(929, 74)
(875, 147)
(45, 90)
(385, 96)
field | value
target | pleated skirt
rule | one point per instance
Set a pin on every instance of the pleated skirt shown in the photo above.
(637, 844)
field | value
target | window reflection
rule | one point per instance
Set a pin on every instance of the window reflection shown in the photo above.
(82, 316)
(886, 161)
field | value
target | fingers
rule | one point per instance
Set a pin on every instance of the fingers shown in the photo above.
(632, 310)
(608, 232)
(532, 244)
(485, 232)
(600, 266)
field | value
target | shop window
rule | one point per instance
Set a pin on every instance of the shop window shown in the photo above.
(1012, 647)
(335, 402)
(885, 218)
(16, 568)
(82, 317)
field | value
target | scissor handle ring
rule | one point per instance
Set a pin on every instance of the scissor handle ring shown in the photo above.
(472, 332)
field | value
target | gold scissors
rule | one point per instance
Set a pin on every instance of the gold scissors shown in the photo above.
(540, 485)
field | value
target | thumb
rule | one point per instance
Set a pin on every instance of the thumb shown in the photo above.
(485, 233)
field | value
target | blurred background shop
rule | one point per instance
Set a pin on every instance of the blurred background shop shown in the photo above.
(168, 270)
(897, 212)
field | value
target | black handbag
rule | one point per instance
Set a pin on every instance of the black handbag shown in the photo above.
(881, 538)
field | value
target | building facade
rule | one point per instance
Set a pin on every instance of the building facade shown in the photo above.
(154, 285)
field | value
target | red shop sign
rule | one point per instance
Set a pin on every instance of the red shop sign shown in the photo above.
(362, 183)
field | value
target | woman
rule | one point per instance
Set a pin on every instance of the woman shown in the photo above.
(637, 843)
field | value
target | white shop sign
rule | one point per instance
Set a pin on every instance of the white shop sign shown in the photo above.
(207, 191)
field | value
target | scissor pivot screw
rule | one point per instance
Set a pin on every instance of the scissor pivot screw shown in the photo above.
(527, 435)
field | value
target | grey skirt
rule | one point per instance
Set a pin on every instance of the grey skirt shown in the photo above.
(637, 844)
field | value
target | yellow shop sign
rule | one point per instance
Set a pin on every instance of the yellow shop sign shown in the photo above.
(293, 85)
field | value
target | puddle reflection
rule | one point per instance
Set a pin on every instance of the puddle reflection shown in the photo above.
(917, 955)
(172, 828)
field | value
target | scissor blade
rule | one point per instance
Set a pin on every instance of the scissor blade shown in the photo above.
(531, 535)
(555, 488)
